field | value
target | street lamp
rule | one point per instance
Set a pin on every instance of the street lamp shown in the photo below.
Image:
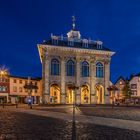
(30, 86)
(3, 75)
(74, 88)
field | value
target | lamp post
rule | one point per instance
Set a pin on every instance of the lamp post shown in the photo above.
(74, 88)
(30, 87)
(3, 75)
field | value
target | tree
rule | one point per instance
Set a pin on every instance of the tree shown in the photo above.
(127, 90)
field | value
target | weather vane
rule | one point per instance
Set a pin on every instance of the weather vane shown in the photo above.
(73, 20)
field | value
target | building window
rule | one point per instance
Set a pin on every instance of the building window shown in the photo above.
(35, 90)
(20, 89)
(55, 41)
(6, 80)
(70, 68)
(15, 80)
(26, 90)
(133, 92)
(20, 81)
(15, 89)
(120, 82)
(70, 43)
(85, 69)
(36, 83)
(133, 86)
(85, 44)
(99, 70)
(54, 67)
(99, 44)
(3, 88)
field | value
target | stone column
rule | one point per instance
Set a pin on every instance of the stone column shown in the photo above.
(63, 74)
(92, 80)
(45, 78)
(77, 74)
(107, 79)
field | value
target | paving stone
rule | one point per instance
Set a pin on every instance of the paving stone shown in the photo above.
(20, 126)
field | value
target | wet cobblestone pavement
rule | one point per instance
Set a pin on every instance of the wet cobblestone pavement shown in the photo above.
(126, 113)
(14, 125)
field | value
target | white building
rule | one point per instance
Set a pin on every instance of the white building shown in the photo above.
(70, 62)
(135, 88)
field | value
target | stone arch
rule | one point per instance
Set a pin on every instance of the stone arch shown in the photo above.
(99, 91)
(55, 93)
(70, 93)
(85, 94)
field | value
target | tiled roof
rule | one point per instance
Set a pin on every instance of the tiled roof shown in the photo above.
(21, 77)
(137, 74)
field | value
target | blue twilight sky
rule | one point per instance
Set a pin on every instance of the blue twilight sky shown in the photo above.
(24, 23)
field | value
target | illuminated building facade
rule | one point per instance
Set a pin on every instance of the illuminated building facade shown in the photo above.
(12, 88)
(134, 83)
(72, 61)
(4, 86)
(20, 94)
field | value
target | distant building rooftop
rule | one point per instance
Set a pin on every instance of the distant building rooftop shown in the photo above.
(32, 78)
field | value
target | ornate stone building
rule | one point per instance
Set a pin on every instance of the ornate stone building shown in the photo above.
(69, 62)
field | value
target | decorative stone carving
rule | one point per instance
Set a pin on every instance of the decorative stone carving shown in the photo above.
(106, 61)
(92, 59)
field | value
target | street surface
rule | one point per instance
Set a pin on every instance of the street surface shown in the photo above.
(21, 125)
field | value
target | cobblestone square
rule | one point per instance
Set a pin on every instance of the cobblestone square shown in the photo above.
(23, 126)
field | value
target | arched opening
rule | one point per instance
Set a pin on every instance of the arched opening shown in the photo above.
(85, 95)
(99, 94)
(54, 93)
(69, 96)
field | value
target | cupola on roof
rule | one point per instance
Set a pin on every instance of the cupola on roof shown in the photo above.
(74, 33)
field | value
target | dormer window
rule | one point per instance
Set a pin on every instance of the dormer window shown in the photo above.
(99, 47)
(54, 40)
(85, 43)
(70, 42)
(99, 44)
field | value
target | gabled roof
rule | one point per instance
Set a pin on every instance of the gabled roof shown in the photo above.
(132, 76)
(120, 78)
(137, 74)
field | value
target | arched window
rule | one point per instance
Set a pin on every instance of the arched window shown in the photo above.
(70, 68)
(54, 67)
(99, 70)
(85, 69)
